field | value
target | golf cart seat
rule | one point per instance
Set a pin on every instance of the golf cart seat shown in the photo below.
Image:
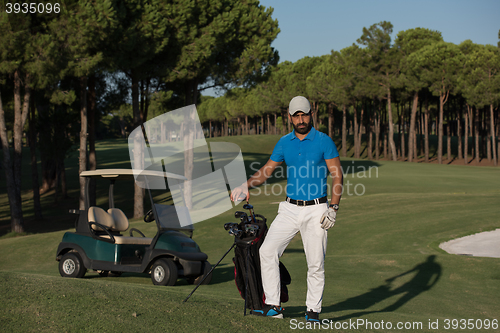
(115, 222)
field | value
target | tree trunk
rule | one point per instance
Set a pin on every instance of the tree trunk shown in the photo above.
(392, 144)
(369, 133)
(284, 118)
(83, 138)
(189, 134)
(315, 107)
(360, 131)
(413, 119)
(189, 130)
(20, 116)
(356, 155)
(275, 129)
(268, 124)
(385, 145)
(442, 100)
(402, 136)
(422, 130)
(466, 136)
(476, 133)
(492, 134)
(37, 207)
(344, 131)
(377, 132)
(64, 188)
(330, 120)
(459, 134)
(246, 125)
(138, 153)
(448, 141)
(92, 160)
(17, 222)
(426, 131)
(415, 148)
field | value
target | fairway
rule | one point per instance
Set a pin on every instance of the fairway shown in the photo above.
(384, 268)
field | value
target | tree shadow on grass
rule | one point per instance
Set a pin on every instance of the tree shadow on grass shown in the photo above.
(426, 276)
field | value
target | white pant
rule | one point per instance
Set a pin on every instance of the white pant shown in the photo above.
(290, 220)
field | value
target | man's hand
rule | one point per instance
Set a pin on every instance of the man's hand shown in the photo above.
(240, 193)
(328, 218)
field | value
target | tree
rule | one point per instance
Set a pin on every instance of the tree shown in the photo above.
(276, 92)
(266, 103)
(383, 62)
(220, 43)
(439, 64)
(79, 31)
(408, 42)
(143, 31)
(487, 73)
(26, 54)
(297, 82)
(217, 43)
(479, 82)
(331, 83)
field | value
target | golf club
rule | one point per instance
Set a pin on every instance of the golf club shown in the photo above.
(250, 208)
(235, 232)
(241, 215)
(213, 267)
(230, 225)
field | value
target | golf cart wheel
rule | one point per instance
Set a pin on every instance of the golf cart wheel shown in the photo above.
(164, 272)
(71, 265)
(206, 269)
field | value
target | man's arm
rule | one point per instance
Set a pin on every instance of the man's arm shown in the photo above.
(255, 180)
(335, 169)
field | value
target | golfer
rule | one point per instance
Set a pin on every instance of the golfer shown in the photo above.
(309, 156)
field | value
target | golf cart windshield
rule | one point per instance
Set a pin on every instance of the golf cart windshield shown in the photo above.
(168, 217)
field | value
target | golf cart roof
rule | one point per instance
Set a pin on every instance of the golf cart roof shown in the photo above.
(128, 173)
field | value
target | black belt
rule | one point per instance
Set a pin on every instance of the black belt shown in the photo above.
(307, 203)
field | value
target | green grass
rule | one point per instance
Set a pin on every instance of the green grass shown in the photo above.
(383, 262)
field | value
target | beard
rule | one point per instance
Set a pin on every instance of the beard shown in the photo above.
(303, 130)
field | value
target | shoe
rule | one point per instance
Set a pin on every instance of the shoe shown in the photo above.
(272, 311)
(312, 316)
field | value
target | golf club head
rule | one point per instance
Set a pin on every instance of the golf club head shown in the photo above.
(235, 232)
(250, 208)
(251, 230)
(240, 214)
(228, 226)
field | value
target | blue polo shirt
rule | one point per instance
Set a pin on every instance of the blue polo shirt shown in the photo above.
(305, 161)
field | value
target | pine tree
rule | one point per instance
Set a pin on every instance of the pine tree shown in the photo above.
(408, 42)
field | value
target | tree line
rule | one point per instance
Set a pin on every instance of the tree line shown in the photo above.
(379, 88)
(63, 72)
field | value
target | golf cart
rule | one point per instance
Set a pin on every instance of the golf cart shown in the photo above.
(99, 242)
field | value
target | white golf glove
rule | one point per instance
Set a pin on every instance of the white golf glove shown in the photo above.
(328, 218)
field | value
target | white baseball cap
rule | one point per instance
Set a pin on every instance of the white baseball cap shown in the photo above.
(299, 103)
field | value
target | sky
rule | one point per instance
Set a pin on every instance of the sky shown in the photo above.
(316, 27)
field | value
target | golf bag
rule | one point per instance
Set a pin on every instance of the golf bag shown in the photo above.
(247, 265)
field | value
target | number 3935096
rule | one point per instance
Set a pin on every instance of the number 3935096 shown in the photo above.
(32, 8)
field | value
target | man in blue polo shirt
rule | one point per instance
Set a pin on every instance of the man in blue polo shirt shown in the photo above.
(309, 156)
